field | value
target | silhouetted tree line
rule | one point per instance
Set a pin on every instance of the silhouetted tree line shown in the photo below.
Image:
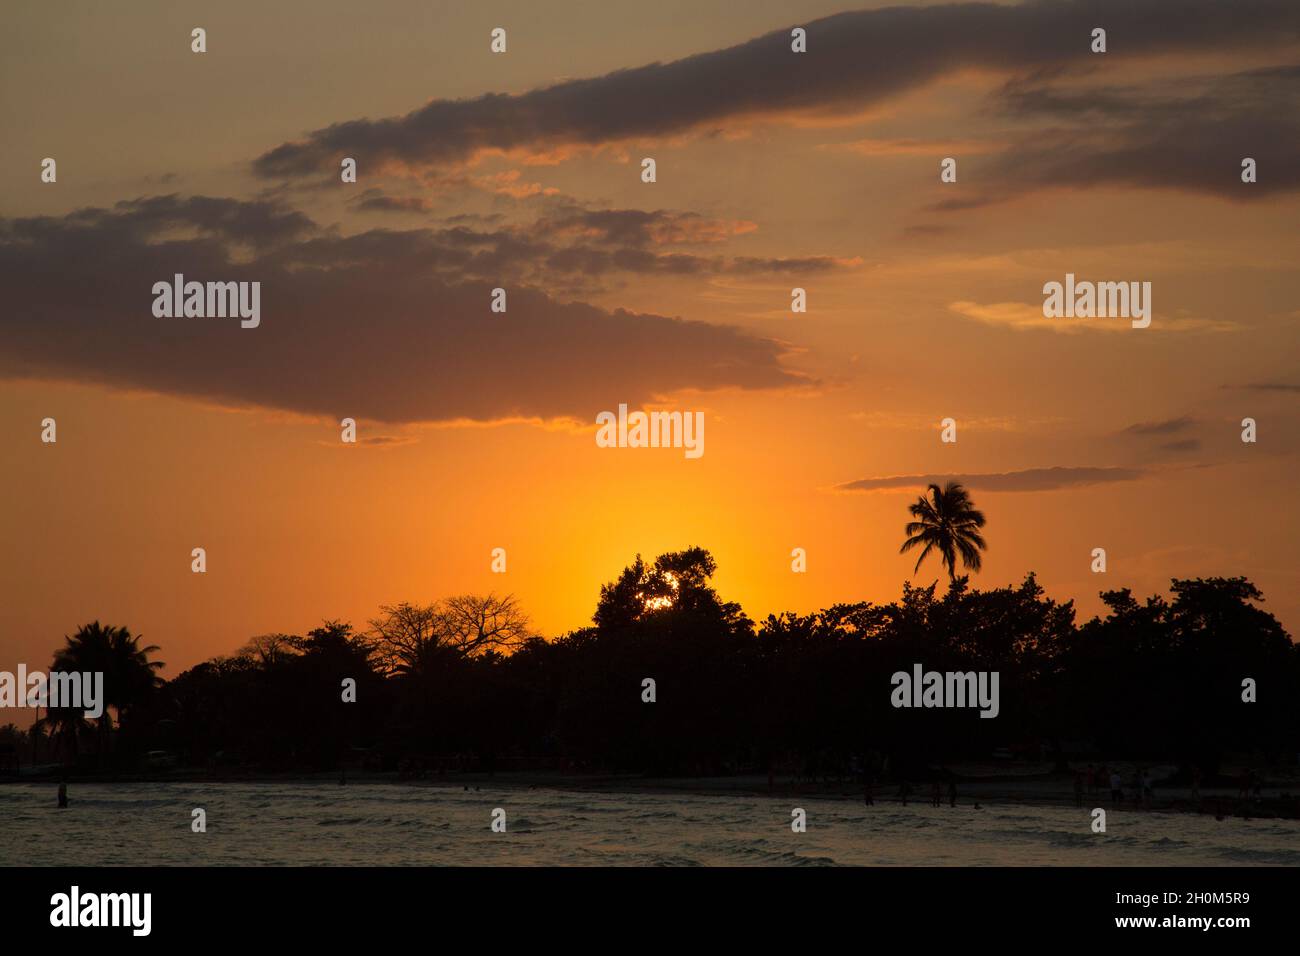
(462, 683)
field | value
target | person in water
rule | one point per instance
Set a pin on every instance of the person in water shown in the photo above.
(63, 794)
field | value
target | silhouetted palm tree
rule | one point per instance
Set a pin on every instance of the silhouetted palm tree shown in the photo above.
(946, 521)
(129, 675)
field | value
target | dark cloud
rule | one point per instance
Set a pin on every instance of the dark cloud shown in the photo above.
(637, 227)
(1170, 436)
(1268, 387)
(258, 224)
(477, 217)
(594, 262)
(586, 244)
(1190, 135)
(386, 441)
(361, 326)
(1169, 426)
(376, 200)
(748, 265)
(376, 441)
(627, 227)
(1030, 479)
(855, 59)
(926, 231)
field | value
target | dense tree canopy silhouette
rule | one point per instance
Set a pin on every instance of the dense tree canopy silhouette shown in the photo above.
(676, 581)
(440, 689)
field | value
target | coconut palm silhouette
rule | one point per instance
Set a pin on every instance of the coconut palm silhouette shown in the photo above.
(129, 675)
(946, 522)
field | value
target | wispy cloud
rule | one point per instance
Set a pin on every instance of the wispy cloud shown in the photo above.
(1023, 317)
(374, 441)
(1282, 387)
(1029, 479)
(1169, 426)
(915, 147)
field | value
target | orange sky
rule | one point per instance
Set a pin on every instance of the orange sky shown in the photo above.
(913, 312)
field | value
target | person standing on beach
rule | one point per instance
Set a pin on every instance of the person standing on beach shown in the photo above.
(936, 795)
(63, 794)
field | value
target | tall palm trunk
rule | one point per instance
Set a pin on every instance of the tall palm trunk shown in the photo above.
(105, 739)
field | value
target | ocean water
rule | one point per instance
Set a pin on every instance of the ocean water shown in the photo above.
(307, 824)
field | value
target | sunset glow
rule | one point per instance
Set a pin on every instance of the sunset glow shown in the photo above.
(476, 428)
